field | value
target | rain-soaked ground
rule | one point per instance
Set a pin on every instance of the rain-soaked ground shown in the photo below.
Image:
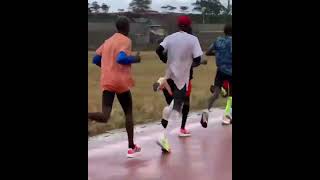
(206, 155)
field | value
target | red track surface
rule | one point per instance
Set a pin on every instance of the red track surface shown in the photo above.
(206, 155)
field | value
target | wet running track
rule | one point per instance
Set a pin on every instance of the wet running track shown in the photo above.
(206, 155)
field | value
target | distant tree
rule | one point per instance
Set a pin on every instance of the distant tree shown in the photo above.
(211, 7)
(120, 10)
(95, 6)
(140, 5)
(228, 9)
(164, 7)
(105, 8)
(89, 9)
(184, 8)
(171, 8)
(168, 8)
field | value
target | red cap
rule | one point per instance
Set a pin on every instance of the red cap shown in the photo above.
(184, 21)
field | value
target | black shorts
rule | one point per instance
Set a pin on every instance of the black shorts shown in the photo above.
(179, 96)
(220, 78)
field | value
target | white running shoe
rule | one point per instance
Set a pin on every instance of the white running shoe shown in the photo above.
(227, 119)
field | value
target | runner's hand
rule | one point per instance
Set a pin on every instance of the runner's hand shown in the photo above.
(138, 57)
(211, 88)
(204, 62)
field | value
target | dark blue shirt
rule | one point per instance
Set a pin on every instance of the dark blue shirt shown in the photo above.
(223, 53)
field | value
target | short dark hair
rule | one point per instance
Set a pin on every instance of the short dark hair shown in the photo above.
(189, 30)
(228, 29)
(122, 23)
(184, 28)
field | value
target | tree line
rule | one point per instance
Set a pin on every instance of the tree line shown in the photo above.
(205, 7)
(95, 7)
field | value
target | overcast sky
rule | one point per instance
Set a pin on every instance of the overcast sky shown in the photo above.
(156, 4)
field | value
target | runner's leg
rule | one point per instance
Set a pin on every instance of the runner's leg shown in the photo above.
(218, 82)
(167, 109)
(185, 112)
(107, 101)
(186, 106)
(125, 100)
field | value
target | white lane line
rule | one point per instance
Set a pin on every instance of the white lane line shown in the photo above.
(141, 139)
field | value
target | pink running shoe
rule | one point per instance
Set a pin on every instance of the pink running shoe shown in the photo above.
(184, 133)
(133, 152)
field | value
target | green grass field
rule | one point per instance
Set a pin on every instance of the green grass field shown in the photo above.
(147, 104)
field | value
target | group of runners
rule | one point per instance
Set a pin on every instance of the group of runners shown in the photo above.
(181, 52)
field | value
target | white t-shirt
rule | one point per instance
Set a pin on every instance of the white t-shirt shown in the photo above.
(181, 48)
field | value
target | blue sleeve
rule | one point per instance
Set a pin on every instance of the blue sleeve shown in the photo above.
(97, 60)
(218, 57)
(124, 59)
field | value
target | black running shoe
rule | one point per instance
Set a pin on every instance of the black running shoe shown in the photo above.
(155, 86)
(204, 119)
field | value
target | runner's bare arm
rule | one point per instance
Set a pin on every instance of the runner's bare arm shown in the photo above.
(203, 61)
(210, 51)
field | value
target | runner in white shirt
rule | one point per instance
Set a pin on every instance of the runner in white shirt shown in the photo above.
(182, 51)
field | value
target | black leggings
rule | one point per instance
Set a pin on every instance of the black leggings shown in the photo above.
(125, 100)
(185, 107)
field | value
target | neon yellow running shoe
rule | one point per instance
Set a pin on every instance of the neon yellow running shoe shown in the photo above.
(163, 142)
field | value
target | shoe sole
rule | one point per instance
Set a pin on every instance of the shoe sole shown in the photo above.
(225, 124)
(134, 155)
(184, 135)
(131, 156)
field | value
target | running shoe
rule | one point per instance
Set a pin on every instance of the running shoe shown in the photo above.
(160, 84)
(133, 152)
(227, 119)
(204, 119)
(163, 142)
(156, 86)
(224, 92)
(184, 133)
